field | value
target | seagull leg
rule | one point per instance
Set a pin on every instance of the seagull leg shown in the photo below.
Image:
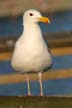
(28, 85)
(40, 81)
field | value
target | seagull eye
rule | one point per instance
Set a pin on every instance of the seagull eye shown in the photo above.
(31, 14)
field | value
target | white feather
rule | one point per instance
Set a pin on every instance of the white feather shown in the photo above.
(31, 52)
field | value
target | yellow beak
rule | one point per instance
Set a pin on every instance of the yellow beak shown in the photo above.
(44, 19)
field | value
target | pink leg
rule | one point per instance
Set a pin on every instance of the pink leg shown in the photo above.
(28, 85)
(40, 81)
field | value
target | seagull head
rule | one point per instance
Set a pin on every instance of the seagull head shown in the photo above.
(33, 16)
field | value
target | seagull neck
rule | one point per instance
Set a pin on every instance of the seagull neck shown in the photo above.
(32, 29)
(32, 26)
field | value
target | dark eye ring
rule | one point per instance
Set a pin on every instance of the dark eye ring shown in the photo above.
(31, 14)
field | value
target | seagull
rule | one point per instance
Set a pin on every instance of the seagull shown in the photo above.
(31, 52)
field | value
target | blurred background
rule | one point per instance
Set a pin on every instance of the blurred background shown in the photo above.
(58, 34)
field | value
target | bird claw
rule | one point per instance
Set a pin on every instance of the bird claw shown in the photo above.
(41, 94)
(29, 95)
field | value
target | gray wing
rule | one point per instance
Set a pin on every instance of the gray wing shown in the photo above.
(47, 44)
(49, 52)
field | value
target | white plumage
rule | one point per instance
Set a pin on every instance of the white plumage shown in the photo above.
(31, 52)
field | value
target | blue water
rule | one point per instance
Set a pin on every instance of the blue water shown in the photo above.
(61, 22)
(50, 87)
